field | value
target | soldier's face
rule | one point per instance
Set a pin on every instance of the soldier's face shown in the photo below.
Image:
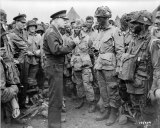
(137, 28)
(62, 31)
(20, 24)
(73, 25)
(32, 29)
(77, 30)
(61, 22)
(157, 22)
(157, 32)
(102, 20)
(89, 23)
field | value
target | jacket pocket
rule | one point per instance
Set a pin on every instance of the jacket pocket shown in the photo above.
(76, 62)
(107, 59)
(127, 69)
(86, 61)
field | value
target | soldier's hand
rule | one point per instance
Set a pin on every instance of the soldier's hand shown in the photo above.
(76, 40)
(71, 44)
(1, 58)
(16, 61)
(37, 53)
(29, 53)
(117, 71)
(157, 93)
(14, 88)
(151, 95)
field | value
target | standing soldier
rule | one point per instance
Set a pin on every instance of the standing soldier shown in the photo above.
(92, 33)
(81, 63)
(126, 32)
(42, 78)
(154, 93)
(20, 45)
(33, 59)
(137, 65)
(68, 69)
(9, 81)
(55, 55)
(110, 46)
(126, 28)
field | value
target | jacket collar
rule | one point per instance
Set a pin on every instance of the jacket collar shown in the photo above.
(142, 36)
(56, 32)
(20, 33)
(104, 28)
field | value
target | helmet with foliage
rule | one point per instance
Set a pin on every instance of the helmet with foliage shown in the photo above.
(143, 17)
(125, 19)
(103, 11)
(3, 16)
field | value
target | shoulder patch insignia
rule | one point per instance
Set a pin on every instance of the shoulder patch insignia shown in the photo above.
(145, 19)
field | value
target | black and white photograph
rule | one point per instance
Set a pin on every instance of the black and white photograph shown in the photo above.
(80, 63)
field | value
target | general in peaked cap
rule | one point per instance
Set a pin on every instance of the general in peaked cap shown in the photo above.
(60, 14)
(20, 17)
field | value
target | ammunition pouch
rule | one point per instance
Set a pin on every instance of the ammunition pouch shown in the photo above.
(127, 67)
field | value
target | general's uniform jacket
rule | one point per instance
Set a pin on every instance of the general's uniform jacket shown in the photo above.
(53, 47)
(19, 42)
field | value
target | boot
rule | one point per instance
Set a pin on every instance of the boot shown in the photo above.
(63, 119)
(81, 103)
(105, 115)
(112, 117)
(92, 107)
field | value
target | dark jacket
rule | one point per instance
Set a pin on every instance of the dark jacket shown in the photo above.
(53, 47)
(20, 44)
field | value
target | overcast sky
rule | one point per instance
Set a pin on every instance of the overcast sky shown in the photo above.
(42, 9)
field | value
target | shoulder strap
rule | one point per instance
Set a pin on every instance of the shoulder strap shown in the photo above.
(138, 49)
